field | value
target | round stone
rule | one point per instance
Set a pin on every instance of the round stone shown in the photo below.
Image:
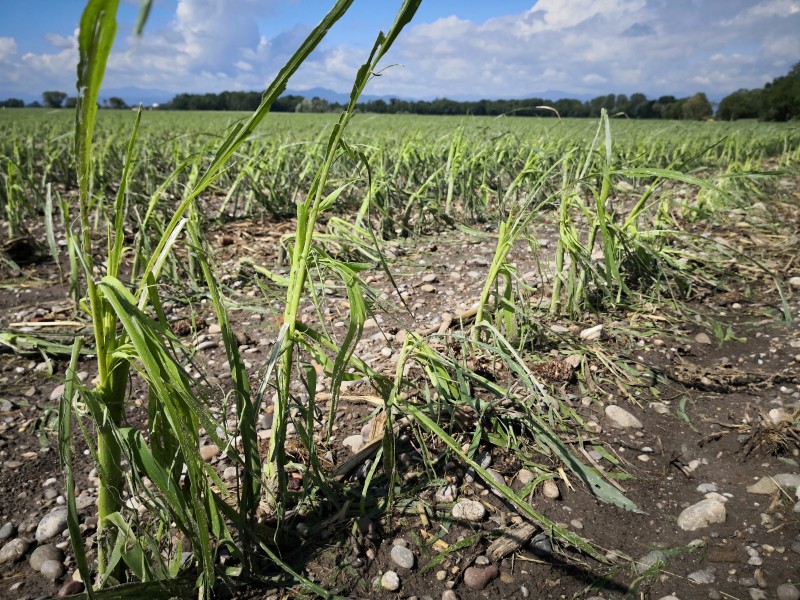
(787, 591)
(478, 578)
(8, 530)
(51, 525)
(390, 581)
(70, 588)
(701, 515)
(469, 510)
(53, 569)
(14, 551)
(550, 490)
(621, 418)
(449, 595)
(44, 553)
(402, 557)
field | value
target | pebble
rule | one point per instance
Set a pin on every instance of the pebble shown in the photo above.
(705, 576)
(8, 530)
(209, 452)
(524, 476)
(550, 490)
(70, 588)
(787, 591)
(14, 551)
(541, 546)
(478, 578)
(354, 442)
(44, 553)
(229, 474)
(447, 494)
(701, 515)
(706, 488)
(469, 510)
(649, 560)
(768, 485)
(621, 418)
(449, 595)
(390, 581)
(702, 338)
(427, 288)
(498, 478)
(53, 569)
(430, 278)
(402, 557)
(592, 333)
(757, 594)
(52, 524)
(795, 282)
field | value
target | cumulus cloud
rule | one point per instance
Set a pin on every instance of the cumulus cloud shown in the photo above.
(580, 47)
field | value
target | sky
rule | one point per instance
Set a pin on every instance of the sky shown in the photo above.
(462, 49)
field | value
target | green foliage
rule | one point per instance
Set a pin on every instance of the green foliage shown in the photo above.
(778, 100)
(53, 99)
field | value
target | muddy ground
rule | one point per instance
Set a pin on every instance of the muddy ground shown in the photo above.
(712, 419)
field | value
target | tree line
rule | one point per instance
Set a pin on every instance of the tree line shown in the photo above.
(778, 100)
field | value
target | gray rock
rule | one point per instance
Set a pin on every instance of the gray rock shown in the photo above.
(541, 546)
(621, 418)
(469, 510)
(705, 576)
(702, 338)
(787, 591)
(795, 282)
(705, 488)
(497, 478)
(354, 442)
(57, 393)
(7, 531)
(768, 485)
(44, 553)
(449, 595)
(447, 494)
(390, 581)
(649, 560)
(53, 569)
(14, 551)
(757, 594)
(402, 557)
(478, 578)
(592, 333)
(51, 525)
(701, 515)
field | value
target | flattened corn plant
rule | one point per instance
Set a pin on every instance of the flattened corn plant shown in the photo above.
(166, 488)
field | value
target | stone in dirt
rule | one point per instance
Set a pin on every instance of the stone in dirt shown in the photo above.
(70, 588)
(44, 553)
(51, 525)
(402, 557)
(705, 576)
(478, 578)
(354, 442)
(702, 514)
(541, 546)
(7, 531)
(209, 452)
(621, 418)
(53, 569)
(768, 485)
(592, 333)
(524, 476)
(702, 338)
(14, 551)
(469, 510)
(550, 489)
(787, 591)
(649, 560)
(390, 581)
(794, 282)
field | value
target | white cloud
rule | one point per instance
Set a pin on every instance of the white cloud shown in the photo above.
(589, 47)
(8, 47)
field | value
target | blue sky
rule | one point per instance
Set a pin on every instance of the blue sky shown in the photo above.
(458, 49)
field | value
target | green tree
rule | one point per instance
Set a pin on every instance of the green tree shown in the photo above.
(697, 108)
(741, 104)
(12, 103)
(116, 102)
(782, 97)
(71, 102)
(53, 99)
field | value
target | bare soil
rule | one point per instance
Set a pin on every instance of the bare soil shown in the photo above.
(704, 417)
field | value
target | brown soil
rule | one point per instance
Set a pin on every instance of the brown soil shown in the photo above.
(703, 413)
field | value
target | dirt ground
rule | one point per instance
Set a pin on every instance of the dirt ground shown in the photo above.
(714, 419)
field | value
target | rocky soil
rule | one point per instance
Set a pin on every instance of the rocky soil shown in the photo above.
(709, 446)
